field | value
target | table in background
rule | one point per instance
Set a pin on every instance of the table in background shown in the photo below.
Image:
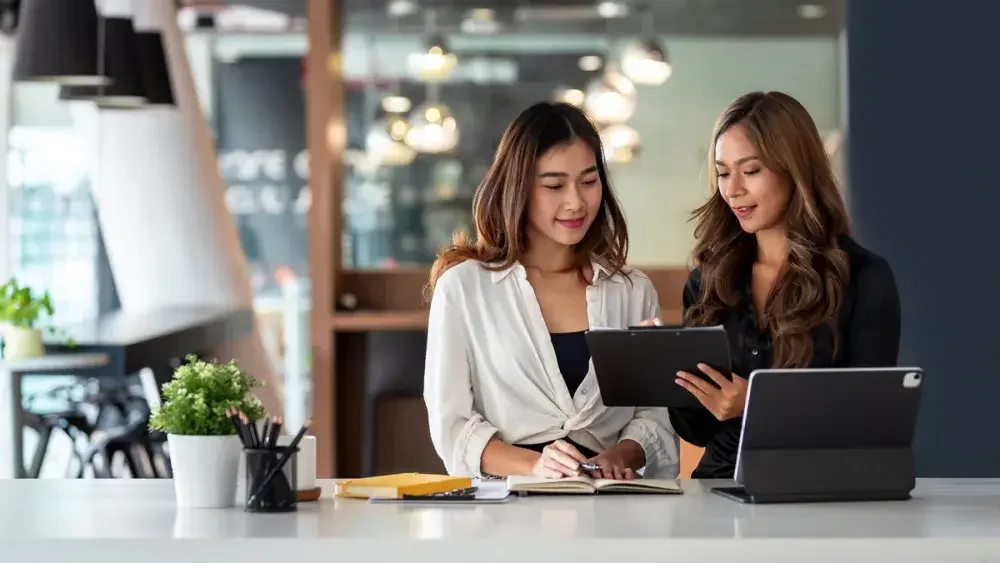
(114, 345)
(11, 413)
(87, 521)
(155, 339)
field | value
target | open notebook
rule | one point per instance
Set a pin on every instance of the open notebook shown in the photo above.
(584, 485)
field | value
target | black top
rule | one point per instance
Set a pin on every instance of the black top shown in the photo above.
(868, 323)
(573, 356)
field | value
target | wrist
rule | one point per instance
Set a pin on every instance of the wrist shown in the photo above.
(528, 464)
(632, 453)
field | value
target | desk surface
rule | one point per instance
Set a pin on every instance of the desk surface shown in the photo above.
(948, 520)
(126, 329)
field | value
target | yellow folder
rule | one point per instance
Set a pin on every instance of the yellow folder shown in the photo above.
(399, 484)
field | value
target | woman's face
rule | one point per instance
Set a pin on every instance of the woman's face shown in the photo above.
(566, 195)
(756, 195)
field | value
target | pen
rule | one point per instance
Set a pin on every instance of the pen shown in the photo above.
(590, 466)
(467, 493)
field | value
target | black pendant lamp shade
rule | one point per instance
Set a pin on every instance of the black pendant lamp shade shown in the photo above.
(155, 72)
(58, 42)
(122, 64)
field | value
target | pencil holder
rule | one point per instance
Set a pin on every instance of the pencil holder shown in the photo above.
(271, 479)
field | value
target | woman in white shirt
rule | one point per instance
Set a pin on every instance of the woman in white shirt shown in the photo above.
(508, 380)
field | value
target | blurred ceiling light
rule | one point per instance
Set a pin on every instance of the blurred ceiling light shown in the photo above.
(480, 20)
(251, 19)
(620, 136)
(396, 104)
(436, 63)
(612, 9)
(590, 63)
(385, 142)
(482, 14)
(572, 96)
(620, 155)
(811, 11)
(647, 62)
(400, 8)
(432, 129)
(610, 98)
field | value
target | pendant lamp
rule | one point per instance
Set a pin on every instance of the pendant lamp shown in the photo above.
(147, 19)
(120, 50)
(57, 41)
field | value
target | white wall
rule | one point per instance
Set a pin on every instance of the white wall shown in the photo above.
(7, 52)
(661, 187)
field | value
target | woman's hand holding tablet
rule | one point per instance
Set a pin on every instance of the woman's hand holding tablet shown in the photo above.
(725, 399)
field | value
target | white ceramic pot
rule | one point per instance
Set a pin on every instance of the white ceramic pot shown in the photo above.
(205, 470)
(22, 342)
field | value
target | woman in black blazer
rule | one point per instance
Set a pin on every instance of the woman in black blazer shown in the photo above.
(775, 265)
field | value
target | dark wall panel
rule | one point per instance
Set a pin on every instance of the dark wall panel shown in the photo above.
(925, 193)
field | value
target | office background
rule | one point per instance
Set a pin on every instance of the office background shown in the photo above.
(337, 246)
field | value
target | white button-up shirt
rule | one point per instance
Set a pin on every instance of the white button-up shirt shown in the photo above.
(491, 370)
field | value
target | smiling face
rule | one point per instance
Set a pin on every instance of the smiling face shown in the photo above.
(757, 195)
(566, 195)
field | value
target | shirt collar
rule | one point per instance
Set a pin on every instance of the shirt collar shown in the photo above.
(601, 272)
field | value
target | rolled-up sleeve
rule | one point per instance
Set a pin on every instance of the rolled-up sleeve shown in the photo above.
(458, 432)
(650, 427)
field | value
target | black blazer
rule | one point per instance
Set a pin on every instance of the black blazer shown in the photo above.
(868, 323)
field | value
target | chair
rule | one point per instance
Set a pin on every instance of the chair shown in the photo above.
(71, 421)
(127, 434)
(394, 369)
(112, 416)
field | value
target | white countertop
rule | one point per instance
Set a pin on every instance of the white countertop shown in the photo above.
(947, 520)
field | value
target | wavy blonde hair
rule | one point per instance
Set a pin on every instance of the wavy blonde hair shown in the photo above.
(811, 283)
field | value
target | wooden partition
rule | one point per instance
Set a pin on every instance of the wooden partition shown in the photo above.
(324, 114)
(390, 300)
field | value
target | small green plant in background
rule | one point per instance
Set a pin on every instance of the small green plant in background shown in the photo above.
(196, 399)
(20, 307)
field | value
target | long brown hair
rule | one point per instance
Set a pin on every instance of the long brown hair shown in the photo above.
(500, 203)
(810, 285)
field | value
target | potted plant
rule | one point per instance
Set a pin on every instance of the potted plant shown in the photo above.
(204, 448)
(20, 312)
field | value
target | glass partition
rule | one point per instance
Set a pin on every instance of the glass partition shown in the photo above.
(430, 90)
(249, 76)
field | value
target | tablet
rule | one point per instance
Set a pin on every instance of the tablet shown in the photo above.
(833, 434)
(636, 367)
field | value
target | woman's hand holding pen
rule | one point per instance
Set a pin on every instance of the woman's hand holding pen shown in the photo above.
(559, 459)
(617, 462)
(724, 399)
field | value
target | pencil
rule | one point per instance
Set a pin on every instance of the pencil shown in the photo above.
(289, 452)
(275, 432)
(232, 416)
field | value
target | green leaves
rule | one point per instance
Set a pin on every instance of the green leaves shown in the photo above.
(20, 308)
(195, 401)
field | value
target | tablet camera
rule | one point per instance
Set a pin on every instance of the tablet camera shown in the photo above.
(911, 380)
